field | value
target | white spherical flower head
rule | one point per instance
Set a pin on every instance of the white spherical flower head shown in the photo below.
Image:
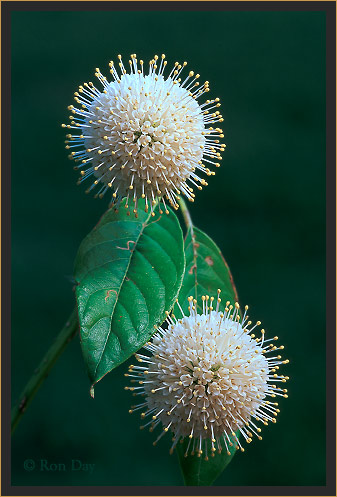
(145, 135)
(209, 378)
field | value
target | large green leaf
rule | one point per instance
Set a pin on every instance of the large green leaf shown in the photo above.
(206, 272)
(128, 271)
(197, 471)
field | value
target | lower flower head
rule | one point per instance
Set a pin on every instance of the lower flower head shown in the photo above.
(210, 378)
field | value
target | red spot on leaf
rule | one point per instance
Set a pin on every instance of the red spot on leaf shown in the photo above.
(127, 245)
(190, 271)
(209, 260)
(108, 293)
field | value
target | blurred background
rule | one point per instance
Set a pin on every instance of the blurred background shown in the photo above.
(265, 208)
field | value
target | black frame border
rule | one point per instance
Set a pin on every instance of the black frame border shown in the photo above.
(329, 7)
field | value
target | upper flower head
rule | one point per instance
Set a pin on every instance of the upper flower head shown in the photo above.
(145, 135)
(210, 378)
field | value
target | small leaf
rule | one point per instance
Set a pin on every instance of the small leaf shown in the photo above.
(128, 271)
(197, 471)
(206, 272)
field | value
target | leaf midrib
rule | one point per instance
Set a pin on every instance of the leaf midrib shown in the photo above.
(144, 225)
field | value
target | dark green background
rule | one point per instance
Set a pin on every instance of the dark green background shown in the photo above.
(265, 208)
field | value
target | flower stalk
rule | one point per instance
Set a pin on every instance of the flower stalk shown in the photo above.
(41, 372)
(186, 214)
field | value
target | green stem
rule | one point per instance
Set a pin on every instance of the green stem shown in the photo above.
(40, 374)
(186, 214)
(189, 225)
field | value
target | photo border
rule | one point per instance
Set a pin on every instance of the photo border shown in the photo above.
(329, 7)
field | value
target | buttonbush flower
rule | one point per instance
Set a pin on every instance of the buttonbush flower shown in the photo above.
(209, 378)
(145, 135)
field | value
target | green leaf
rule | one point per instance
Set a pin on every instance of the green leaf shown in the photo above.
(128, 271)
(206, 272)
(197, 471)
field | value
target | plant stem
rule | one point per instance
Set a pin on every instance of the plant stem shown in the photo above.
(189, 225)
(40, 374)
(186, 214)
